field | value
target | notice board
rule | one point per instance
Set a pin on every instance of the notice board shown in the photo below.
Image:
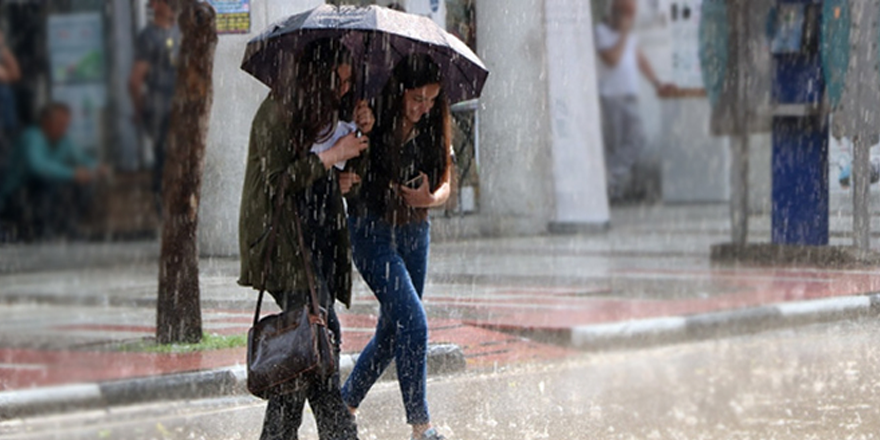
(233, 16)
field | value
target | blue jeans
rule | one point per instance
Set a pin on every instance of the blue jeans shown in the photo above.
(393, 260)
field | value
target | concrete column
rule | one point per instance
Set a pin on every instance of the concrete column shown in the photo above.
(578, 154)
(861, 184)
(739, 170)
(434, 9)
(517, 188)
(125, 138)
(236, 99)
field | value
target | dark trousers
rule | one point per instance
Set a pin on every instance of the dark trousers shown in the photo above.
(160, 152)
(624, 138)
(284, 414)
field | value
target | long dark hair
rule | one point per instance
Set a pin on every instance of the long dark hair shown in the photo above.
(413, 72)
(308, 91)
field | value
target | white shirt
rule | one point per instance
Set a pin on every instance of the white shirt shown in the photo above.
(623, 79)
(343, 129)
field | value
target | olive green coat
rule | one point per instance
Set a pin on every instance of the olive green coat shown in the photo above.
(270, 158)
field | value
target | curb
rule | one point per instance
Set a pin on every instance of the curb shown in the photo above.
(775, 254)
(655, 331)
(442, 360)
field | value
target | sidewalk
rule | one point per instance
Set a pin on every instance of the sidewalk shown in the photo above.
(648, 279)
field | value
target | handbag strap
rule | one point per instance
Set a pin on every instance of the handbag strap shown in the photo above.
(308, 261)
(307, 256)
(270, 245)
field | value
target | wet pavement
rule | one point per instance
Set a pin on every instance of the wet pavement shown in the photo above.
(58, 319)
(817, 382)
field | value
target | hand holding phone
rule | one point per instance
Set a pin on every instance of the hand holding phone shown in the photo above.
(417, 193)
(415, 182)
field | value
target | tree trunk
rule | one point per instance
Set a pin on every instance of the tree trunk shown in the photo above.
(178, 317)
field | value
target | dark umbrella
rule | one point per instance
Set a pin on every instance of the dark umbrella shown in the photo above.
(378, 38)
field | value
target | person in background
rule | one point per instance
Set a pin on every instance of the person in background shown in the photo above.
(152, 81)
(56, 175)
(621, 61)
(10, 73)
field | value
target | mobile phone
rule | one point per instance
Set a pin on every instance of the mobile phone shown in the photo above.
(414, 182)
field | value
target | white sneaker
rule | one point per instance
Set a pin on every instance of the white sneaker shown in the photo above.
(430, 434)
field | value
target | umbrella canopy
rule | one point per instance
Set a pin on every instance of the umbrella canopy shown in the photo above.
(378, 38)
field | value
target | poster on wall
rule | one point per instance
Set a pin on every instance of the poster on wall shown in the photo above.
(78, 72)
(76, 48)
(684, 23)
(461, 21)
(233, 16)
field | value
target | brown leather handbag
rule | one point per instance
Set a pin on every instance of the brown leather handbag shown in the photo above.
(288, 349)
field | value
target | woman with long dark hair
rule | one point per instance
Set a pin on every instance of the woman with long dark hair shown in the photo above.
(406, 172)
(301, 111)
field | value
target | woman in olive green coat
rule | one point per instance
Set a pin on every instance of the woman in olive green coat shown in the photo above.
(302, 110)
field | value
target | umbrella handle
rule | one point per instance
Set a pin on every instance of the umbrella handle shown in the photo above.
(368, 43)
